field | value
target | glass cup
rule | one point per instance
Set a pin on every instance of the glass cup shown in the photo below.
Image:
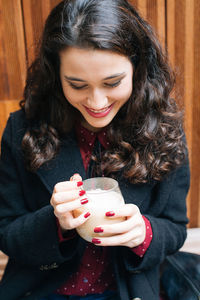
(104, 195)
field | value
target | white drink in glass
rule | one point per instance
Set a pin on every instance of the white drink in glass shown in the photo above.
(104, 195)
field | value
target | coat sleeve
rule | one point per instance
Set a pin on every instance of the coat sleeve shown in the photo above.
(28, 237)
(168, 224)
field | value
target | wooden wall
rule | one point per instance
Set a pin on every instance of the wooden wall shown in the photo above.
(177, 23)
(183, 41)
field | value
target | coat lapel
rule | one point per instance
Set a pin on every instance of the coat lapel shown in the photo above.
(64, 165)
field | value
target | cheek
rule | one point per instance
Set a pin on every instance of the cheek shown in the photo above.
(123, 94)
(72, 96)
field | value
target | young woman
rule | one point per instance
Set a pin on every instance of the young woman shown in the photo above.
(96, 103)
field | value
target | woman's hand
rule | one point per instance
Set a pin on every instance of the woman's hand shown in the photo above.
(66, 197)
(129, 233)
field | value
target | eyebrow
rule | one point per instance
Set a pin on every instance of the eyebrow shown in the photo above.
(107, 78)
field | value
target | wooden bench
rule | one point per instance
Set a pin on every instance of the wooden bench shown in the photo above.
(192, 243)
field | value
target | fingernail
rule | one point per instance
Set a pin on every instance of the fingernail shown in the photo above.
(87, 215)
(98, 229)
(110, 214)
(84, 201)
(96, 241)
(81, 193)
(79, 183)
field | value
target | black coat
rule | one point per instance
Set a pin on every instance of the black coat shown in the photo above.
(38, 263)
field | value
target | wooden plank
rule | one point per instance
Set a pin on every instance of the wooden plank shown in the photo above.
(176, 48)
(183, 26)
(6, 107)
(195, 188)
(154, 12)
(12, 50)
(188, 95)
(35, 14)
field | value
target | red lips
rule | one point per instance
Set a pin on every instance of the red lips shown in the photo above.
(102, 113)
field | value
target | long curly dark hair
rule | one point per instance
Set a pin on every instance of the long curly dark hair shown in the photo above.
(146, 135)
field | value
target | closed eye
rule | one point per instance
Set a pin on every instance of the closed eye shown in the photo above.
(80, 87)
(77, 87)
(113, 84)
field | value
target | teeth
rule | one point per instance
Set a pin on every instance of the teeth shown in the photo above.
(98, 111)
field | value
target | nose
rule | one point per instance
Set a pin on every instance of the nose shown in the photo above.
(97, 99)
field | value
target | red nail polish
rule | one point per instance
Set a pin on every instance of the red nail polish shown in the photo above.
(87, 215)
(79, 183)
(84, 201)
(110, 214)
(81, 193)
(98, 229)
(96, 241)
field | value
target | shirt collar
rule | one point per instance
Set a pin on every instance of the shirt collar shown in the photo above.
(86, 138)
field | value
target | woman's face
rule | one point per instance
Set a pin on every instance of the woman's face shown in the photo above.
(95, 82)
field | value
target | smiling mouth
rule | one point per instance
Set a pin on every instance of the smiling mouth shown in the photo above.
(100, 112)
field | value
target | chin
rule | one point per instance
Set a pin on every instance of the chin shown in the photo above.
(99, 125)
(93, 126)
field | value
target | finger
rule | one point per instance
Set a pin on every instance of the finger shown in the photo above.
(81, 219)
(62, 197)
(121, 227)
(76, 177)
(134, 243)
(69, 222)
(70, 206)
(116, 240)
(125, 210)
(67, 185)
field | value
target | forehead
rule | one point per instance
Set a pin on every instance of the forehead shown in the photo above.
(90, 62)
